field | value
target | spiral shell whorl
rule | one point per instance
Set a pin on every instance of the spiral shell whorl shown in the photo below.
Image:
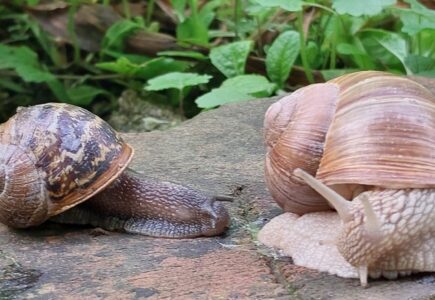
(75, 153)
(23, 199)
(295, 129)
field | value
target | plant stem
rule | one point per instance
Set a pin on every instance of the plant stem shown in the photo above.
(12, 73)
(236, 18)
(333, 57)
(180, 101)
(307, 69)
(126, 8)
(150, 10)
(71, 30)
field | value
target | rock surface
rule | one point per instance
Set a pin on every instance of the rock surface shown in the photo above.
(220, 152)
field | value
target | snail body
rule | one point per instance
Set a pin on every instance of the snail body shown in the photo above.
(368, 137)
(55, 156)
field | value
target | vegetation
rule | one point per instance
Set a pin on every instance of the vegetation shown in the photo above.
(196, 54)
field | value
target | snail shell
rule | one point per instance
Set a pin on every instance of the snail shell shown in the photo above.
(57, 162)
(359, 130)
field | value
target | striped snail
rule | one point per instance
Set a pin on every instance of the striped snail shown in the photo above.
(55, 156)
(368, 137)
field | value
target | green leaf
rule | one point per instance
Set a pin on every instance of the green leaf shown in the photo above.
(188, 54)
(420, 64)
(121, 66)
(281, 56)
(147, 70)
(192, 31)
(83, 94)
(236, 89)
(230, 59)
(358, 8)
(25, 62)
(358, 54)
(417, 18)
(221, 96)
(59, 91)
(11, 85)
(289, 5)
(392, 42)
(251, 84)
(313, 55)
(115, 35)
(207, 12)
(159, 66)
(176, 80)
(179, 7)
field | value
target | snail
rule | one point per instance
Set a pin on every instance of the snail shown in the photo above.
(368, 137)
(55, 156)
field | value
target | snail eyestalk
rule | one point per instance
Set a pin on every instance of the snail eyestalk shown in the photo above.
(341, 205)
(372, 225)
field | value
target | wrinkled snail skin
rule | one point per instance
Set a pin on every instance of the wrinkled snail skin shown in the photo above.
(55, 156)
(368, 137)
(136, 204)
(388, 232)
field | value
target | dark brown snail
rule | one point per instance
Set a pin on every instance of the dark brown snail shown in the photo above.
(368, 137)
(55, 156)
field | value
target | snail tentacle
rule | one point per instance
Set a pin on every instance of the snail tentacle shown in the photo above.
(341, 205)
(372, 224)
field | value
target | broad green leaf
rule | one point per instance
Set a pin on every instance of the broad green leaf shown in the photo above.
(188, 54)
(290, 5)
(179, 7)
(251, 84)
(420, 64)
(392, 42)
(83, 94)
(121, 66)
(207, 12)
(281, 56)
(358, 8)
(313, 55)
(59, 91)
(115, 35)
(176, 80)
(239, 88)
(349, 49)
(25, 62)
(430, 73)
(221, 96)
(230, 59)
(380, 56)
(357, 53)
(159, 66)
(417, 18)
(192, 31)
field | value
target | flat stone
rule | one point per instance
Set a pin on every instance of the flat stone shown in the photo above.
(220, 152)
